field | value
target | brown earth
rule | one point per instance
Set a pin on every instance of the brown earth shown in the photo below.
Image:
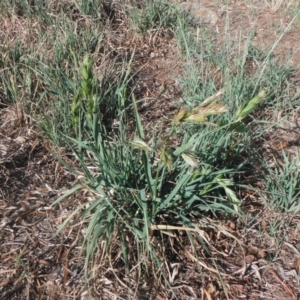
(37, 264)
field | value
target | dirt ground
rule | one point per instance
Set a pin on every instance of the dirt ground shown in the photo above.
(37, 264)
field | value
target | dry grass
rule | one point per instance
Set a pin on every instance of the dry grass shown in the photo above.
(275, 5)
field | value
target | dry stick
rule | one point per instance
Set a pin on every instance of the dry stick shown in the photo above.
(201, 232)
(285, 286)
(118, 279)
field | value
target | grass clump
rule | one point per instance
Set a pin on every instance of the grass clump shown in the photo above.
(283, 185)
(153, 15)
(137, 183)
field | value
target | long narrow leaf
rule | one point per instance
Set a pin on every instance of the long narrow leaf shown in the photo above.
(174, 192)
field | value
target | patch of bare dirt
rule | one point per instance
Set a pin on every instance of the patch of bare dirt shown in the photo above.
(239, 18)
(159, 69)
